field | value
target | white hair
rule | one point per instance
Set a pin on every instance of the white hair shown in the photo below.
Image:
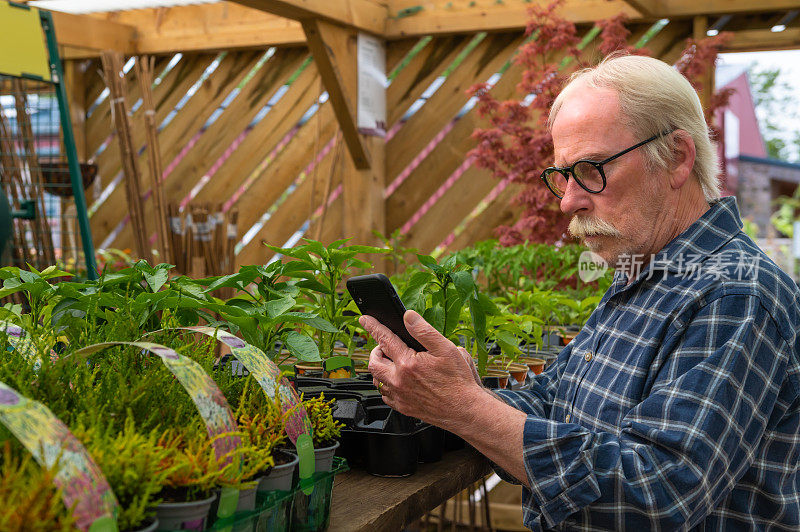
(654, 98)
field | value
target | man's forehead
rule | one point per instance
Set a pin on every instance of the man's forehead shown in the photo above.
(588, 104)
(587, 124)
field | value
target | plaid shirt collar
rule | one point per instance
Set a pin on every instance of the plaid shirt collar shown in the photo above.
(717, 226)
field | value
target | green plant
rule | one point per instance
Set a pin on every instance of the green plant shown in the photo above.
(261, 419)
(134, 465)
(31, 500)
(195, 470)
(396, 252)
(326, 429)
(266, 315)
(321, 270)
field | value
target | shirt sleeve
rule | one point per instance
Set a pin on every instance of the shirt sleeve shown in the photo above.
(682, 449)
(535, 401)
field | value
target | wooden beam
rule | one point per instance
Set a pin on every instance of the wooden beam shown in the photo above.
(93, 34)
(648, 8)
(486, 16)
(207, 27)
(335, 53)
(691, 8)
(463, 16)
(365, 15)
(364, 205)
(758, 40)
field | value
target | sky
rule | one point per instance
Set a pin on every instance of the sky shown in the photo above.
(789, 63)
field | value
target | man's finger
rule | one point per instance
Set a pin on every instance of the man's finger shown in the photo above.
(430, 338)
(390, 343)
(380, 366)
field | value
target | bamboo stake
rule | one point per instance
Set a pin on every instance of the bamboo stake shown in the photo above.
(40, 223)
(144, 71)
(112, 68)
(13, 190)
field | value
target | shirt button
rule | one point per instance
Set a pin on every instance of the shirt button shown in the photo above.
(588, 356)
(567, 418)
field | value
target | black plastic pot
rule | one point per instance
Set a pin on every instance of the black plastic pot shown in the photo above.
(431, 444)
(392, 454)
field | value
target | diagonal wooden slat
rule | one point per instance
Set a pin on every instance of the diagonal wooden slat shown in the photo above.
(457, 202)
(499, 211)
(420, 72)
(396, 51)
(486, 59)
(289, 217)
(219, 136)
(184, 126)
(287, 166)
(264, 137)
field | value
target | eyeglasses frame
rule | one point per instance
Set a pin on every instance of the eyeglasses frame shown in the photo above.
(570, 170)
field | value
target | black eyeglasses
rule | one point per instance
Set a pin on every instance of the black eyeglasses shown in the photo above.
(588, 174)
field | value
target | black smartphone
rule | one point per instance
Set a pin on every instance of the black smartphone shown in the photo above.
(375, 296)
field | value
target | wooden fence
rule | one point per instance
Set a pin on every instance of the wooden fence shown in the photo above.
(254, 130)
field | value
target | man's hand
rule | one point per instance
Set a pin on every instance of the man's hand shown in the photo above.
(431, 385)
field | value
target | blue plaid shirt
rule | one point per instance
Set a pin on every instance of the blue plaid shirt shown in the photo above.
(678, 404)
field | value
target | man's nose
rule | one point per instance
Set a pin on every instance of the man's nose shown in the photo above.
(575, 199)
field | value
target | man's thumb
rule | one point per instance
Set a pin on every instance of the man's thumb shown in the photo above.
(425, 333)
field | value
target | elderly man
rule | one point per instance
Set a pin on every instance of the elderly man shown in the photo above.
(678, 404)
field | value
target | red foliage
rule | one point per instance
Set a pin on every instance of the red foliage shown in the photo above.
(516, 145)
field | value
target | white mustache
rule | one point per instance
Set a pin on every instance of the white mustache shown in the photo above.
(583, 226)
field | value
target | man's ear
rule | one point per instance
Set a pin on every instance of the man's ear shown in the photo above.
(684, 154)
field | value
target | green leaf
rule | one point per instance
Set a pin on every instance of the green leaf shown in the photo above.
(367, 249)
(320, 323)
(303, 347)
(414, 295)
(234, 280)
(156, 279)
(430, 263)
(487, 305)
(478, 323)
(314, 285)
(51, 271)
(28, 277)
(509, 344)
(465, 284)
(276, 307)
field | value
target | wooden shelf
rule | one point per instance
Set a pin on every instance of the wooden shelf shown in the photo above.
(365, 502)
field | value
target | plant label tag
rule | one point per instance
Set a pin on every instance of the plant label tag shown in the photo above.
(21, 341)
(206, 395)
(52, 445)
(338, 367)
(273, 382)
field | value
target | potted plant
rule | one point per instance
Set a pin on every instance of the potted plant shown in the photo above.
(29, 494)
(326, 431)
(321, 270)
(197, 475)
(134, 465)
(263, 423)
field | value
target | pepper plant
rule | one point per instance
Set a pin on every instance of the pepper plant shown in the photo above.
(321, 270)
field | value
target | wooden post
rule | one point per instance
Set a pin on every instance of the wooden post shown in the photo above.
(700, 26)
(335, 52)
(364, 205)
